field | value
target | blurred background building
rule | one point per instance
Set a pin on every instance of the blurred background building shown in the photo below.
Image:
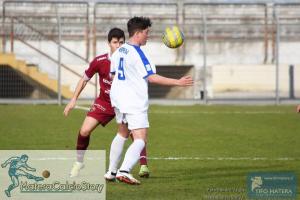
(235, 50)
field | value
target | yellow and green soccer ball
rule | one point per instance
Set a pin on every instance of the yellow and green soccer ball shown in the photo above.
(173, 37)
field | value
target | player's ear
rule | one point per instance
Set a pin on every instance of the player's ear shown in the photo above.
(136, 33)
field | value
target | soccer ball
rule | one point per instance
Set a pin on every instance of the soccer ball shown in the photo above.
(173, 37)
(46, 174)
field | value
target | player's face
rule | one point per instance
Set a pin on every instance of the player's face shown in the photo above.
(143, 36)
(24, 159)
(115, 43)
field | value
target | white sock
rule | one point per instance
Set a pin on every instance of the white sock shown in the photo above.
(132, 155)
(116, 150)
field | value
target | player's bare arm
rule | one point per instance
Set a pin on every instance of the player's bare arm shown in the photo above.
(80, 86)
(3, 165)
(161, 80)
(8, 161)
(298, 109)
(29, 168)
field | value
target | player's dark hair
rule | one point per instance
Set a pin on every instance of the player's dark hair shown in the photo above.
(115, 33)
(138, 24)
(24, 156)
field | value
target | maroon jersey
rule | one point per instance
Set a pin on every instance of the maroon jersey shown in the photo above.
(101, 65)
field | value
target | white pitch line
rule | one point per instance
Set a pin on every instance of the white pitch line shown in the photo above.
(225, 158)
(63, 158)
(190, 158)
(218, 112)
(204, 112)
(82, 108)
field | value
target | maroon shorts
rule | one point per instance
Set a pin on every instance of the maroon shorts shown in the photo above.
(102, 112)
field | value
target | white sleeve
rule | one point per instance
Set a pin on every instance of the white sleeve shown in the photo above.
(85, 77)
(146, 68)
(113, 64)
(153, 66)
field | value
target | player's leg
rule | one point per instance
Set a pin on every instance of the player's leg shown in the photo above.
(15, 183)
(30, 176)
(117, 145)
(144, 170)
(138, 124)
(83, 139)
(116, 150)
(132, 156)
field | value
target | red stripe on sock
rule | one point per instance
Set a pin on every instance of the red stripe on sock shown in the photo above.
(143, 157)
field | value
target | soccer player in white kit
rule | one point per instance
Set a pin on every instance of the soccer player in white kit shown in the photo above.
(132, 71)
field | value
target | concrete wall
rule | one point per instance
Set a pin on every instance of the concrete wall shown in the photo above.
(230, 63)
(258, 80)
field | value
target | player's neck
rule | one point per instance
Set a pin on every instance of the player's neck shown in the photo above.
(133, 41)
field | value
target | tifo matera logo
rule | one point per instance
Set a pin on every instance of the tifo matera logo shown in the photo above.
(272, 185)
(256, 182)
(18, 167)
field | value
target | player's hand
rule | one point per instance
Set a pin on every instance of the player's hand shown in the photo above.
(298, 109)
(185, 81)
(3, 165)
(69, 107)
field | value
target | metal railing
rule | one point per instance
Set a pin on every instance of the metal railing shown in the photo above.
(31, 22)
(219, 23)
(42, 16)
(227, 21)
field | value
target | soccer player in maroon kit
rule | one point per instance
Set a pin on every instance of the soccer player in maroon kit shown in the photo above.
(101, 111)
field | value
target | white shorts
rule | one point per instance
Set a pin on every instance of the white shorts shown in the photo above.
(135, 121)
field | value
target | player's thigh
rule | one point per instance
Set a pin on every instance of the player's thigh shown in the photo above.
(137, 121)
(20, 172)
(138, 124)
(122, 123)
(15, 180)
(88, 125)
(102, 113)
(123, 130)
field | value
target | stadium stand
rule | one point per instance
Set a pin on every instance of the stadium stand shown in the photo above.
(234, 28)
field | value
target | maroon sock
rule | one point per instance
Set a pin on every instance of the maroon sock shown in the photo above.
(143, 157)
(82, 144)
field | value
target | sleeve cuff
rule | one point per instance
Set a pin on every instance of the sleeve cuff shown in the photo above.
(150, 73)
(85, 77)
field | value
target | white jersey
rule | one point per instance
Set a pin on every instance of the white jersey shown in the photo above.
(129, 90)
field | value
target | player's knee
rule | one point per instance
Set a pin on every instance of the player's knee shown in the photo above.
(85, 132)
(16, 184)
(123, 134)
(141, 138)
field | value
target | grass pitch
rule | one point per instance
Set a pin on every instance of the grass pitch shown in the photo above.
(195, 152)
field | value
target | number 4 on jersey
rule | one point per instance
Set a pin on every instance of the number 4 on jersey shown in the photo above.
(121, 75)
